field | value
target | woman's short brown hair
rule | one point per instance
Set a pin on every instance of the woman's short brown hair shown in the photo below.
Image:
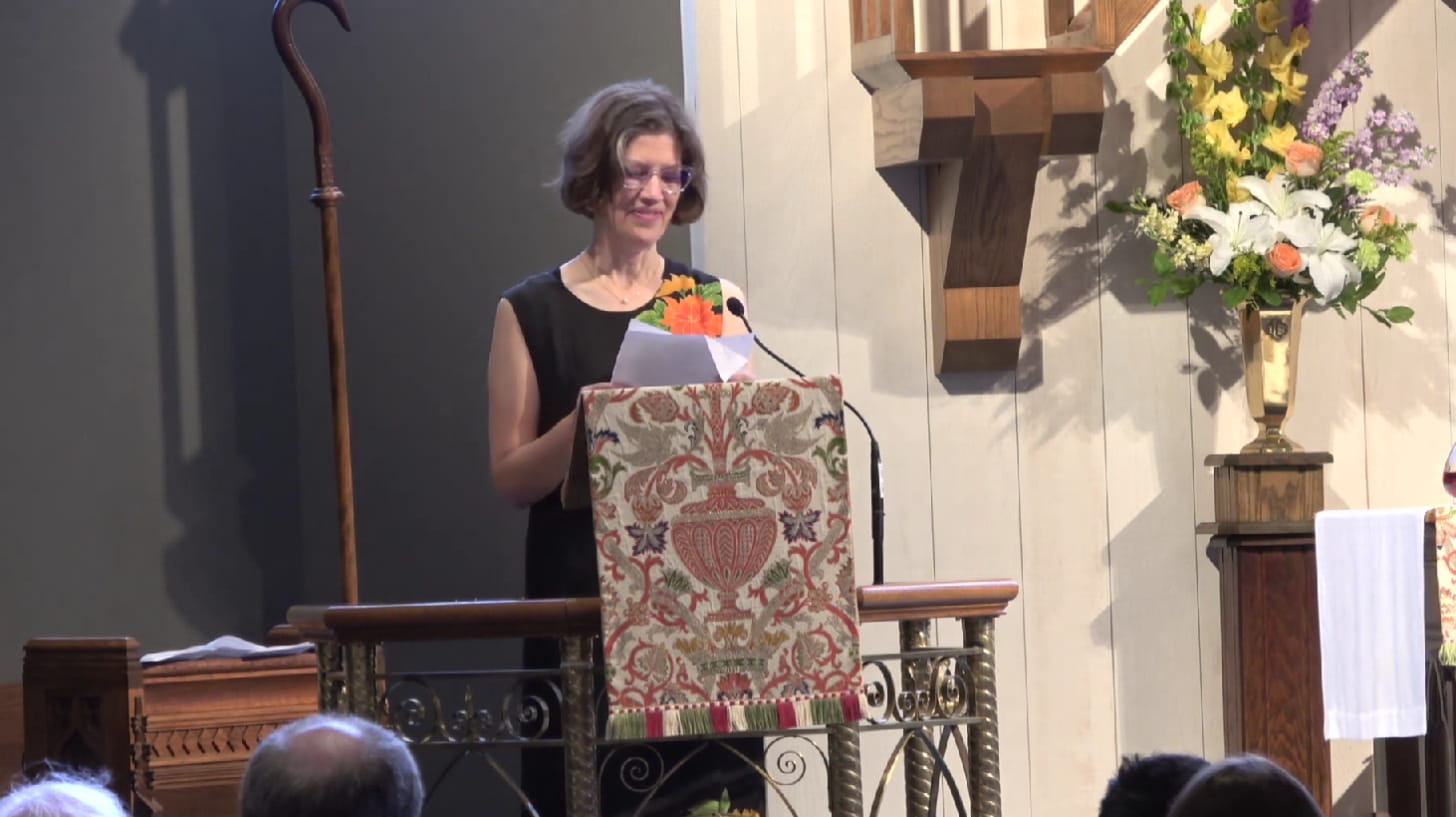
(595, 137)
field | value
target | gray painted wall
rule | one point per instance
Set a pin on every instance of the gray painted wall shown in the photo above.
(150, 466)
(445, 115)
(166, 471)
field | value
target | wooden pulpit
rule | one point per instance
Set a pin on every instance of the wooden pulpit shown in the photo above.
(173, 737)
(1263, 544)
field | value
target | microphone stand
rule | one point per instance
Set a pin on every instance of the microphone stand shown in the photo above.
(877, 493)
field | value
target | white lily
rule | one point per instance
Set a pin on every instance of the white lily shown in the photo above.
(1288, 207)
(1329, 267)
(1244, 228)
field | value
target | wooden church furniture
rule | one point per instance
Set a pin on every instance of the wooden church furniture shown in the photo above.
(173, 737)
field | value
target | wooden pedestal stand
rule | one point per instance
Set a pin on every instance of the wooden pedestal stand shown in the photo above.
(1263, 543)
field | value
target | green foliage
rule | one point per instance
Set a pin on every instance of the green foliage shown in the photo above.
(713, 807)
(777, 573)
(602, 473)
(832, 454)
(676, 582)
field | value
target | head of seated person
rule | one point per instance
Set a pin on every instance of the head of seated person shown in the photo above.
(1146, 785)
(63, 794)
(1246, 786)
(332, 766)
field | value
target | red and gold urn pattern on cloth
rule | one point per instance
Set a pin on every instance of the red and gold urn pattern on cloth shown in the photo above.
(1445, 521)
(724, 556)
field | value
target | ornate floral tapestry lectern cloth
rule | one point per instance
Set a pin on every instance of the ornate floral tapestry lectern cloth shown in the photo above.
(1445, 521)
(723, 551)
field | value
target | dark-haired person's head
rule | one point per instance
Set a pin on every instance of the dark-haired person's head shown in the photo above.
(1245, 786)
(1146, 785)
(332, 766)
(63, 794)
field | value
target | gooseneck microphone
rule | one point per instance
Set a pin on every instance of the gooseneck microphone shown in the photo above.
(877, 493)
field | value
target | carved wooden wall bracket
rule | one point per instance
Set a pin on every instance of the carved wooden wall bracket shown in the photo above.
(981, 122)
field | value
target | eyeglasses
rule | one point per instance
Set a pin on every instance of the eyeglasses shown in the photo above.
(674, 179)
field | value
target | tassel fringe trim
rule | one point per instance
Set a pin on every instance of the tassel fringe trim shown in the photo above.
(1447, 655)
(727, 718)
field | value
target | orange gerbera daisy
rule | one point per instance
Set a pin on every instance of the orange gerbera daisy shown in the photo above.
(692, 315)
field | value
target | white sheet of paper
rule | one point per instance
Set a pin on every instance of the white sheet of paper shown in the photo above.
(655, 357)
(228, 646)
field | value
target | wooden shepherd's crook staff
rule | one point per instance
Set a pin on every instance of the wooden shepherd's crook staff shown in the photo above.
(326, 196)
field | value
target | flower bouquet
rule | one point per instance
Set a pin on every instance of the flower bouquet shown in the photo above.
(1277, 212)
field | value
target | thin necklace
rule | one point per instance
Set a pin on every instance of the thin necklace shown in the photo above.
(612, 290)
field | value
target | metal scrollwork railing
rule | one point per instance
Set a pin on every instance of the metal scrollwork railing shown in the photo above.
(414, 705)
(941, 700)
(939, 690)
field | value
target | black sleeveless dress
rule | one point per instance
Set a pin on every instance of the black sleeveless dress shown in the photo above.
(573, 344)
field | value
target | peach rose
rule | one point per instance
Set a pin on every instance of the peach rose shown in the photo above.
(1303, 159)
(1375, 216)
(1186, 198)
(1285, 259)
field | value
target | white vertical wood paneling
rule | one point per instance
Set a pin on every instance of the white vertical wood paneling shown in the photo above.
(975, 25)
(784, 129)
(932, 25)
(1150, 509)
(953, 25)
(710, 54)
(1220, 425)
(1405, 373)
(759, 71)
(975, 489)
(876, 260)
(875, 257)
(1081, 474)
(1330, 413)
(1022, 24)
(1406, 404)
(1063, 475)
(1443, 135)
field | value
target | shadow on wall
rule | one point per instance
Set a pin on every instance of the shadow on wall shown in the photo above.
(1073, 280)
(225, 328)
(975, 33)
(1107, 255)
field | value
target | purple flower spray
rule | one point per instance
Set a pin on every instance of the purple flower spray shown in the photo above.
(1301, 14)
(1338, 92)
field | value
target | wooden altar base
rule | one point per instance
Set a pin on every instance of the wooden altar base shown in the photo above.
(174, 737)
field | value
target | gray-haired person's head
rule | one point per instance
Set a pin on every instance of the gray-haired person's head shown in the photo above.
(63, 794)
(332, 766)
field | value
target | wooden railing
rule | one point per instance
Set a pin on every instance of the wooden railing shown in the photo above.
(937, 690)
(553, 618)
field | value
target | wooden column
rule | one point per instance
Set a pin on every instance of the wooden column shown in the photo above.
(1263, 543)
(80, 697)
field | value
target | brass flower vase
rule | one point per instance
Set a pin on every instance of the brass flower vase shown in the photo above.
(1271, 368)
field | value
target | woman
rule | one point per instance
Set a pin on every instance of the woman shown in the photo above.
(633, 164)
